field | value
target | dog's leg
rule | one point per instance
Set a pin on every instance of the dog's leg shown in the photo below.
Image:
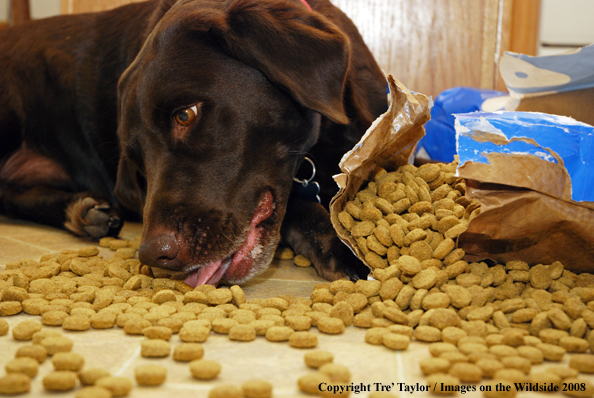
(308, 230)
(83, 213)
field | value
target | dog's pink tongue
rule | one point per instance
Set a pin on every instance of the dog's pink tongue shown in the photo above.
(213, 272)
(208, 274)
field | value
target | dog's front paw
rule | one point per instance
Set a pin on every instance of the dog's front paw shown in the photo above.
(333, 260)
(89, 215)
(308, 230)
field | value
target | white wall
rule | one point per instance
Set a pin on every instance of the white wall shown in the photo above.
(39, 8)
(565, 23)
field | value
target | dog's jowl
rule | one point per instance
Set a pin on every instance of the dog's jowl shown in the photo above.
(193, 115)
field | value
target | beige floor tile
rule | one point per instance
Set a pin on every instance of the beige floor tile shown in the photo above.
(12, 250)
(54, 240)
(12, 227)
(286, 270)
(131, 230)
(265, 288)
(278, 363)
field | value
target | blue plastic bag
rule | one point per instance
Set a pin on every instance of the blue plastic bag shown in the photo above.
(440, 136)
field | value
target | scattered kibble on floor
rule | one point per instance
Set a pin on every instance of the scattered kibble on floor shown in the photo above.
(510, 323)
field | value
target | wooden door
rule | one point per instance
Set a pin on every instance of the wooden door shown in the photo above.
(430, 45)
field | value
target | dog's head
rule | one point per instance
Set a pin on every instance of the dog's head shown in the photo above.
(216, 111)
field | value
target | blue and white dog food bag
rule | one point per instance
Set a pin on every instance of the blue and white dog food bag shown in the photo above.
(533, 175)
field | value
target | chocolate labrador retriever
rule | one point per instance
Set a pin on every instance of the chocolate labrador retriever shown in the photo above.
(194, 114)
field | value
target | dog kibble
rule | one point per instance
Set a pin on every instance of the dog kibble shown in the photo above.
(219, 296)
(489, 366)
(125, 253)
(436, 349)
(533, 354)
(516, 362)
(136, 326)
(25, 330)
(500, 304)
(261, 326)
(242, 333)
(396, 341)
(317, 358)
(511, 375)
(435, 365)
(256, 389)
(88, 251)
(174, 325)
(573, 344)
(103, 320)
(237, 295)
(544, 378)
(331, 325)
(454, 356)
(196, 334)
(303, 340)
(279, 333)
(68, 361)
(119, 386)
(60, 380)
(150, 375)
(76, 323)
(54, 318)
(441, 383)
(93, 392)
(205, 369)
(301, 261)
(551, 352)
(582, 362)
(35, 351)
(89, 377)
(310, 382)
(337, 373)
(56, 344)
(225, 391)
(375, 336)
(26, 365)
(4, 327)
(551, 336)
(284, 253)
(466, 372)
(427, 333)
(298, 322)
(186, 352)
(157, 332)
(155, 348)
(116, 244)
(15, 383)
(501, 351)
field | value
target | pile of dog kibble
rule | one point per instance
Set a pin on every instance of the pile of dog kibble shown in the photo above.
(480, 322)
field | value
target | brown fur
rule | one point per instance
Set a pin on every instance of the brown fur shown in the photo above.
(94, 98)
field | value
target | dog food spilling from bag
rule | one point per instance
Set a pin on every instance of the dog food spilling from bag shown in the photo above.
(411, 216)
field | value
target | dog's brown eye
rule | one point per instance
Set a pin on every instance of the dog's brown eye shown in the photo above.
(186, 116)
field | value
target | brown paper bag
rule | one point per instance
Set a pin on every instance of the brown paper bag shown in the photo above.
(525, 216)
(387, 144)
(524, 224)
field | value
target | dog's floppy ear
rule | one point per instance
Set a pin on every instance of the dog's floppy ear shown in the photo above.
(127, 190)
(299, 50)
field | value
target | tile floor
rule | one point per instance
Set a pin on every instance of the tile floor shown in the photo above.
(276, 362)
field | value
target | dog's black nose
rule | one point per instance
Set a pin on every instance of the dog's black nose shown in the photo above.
(160, 250)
